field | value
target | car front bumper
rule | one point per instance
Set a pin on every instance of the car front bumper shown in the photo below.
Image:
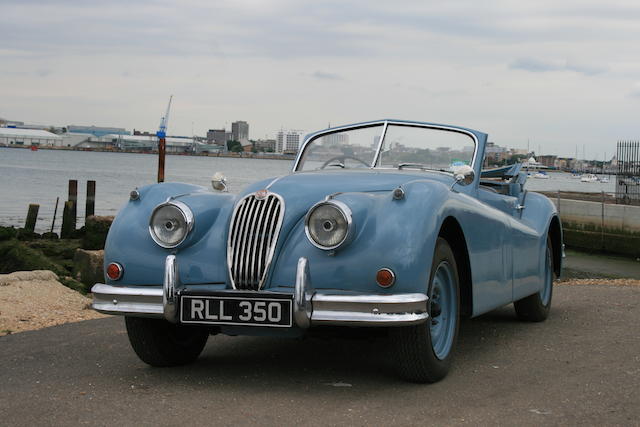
(310, 307)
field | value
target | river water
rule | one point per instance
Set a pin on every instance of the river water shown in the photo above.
(41, 176)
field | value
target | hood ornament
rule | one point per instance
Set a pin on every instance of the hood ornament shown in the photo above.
(262, 194)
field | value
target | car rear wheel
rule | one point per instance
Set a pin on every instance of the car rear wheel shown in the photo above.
(160, 343)
(425, 350)
(535, 308)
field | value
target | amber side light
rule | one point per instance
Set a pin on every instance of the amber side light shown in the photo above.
(114, 271)
(385, 277)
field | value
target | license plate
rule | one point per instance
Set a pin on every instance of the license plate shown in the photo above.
(240, 310)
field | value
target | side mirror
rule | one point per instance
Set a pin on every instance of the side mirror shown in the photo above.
(219, 182)
(463, 175)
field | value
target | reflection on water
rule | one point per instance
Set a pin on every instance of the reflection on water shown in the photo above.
(41, 176)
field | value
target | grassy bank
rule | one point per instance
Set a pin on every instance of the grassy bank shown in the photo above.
(21, 250)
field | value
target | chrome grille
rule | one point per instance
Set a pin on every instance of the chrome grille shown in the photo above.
(255, 226)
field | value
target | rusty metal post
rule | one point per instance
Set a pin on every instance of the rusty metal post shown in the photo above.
(55, 212)
(91, 199)
(161, 156)
(32, 217)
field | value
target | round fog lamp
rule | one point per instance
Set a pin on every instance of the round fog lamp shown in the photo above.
(114, 271)
(385, 277)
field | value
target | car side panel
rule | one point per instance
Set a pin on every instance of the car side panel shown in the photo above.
(529, 242)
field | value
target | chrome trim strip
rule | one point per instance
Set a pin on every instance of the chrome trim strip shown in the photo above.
(186, 214)
(169, 289)
(276, 179)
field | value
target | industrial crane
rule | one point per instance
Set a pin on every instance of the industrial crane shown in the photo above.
(162, 134)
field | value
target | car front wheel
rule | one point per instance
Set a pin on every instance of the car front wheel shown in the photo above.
(160, 343)
(425, 350)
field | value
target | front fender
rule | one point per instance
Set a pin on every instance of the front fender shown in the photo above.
(396, 234)
(202, 256)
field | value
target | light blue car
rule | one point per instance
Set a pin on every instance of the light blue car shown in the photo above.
(387, 224)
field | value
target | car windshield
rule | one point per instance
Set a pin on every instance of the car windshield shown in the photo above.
(353, 148)
(404, 147)
(412, 147)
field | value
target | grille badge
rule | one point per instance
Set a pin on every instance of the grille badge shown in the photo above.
(262, 194)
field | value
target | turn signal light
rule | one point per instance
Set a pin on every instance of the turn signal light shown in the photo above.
(114, 271)
(385, 277)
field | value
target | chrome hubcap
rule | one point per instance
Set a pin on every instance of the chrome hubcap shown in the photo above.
(443, 310)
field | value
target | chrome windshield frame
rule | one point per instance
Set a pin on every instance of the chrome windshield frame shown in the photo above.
(385, 124)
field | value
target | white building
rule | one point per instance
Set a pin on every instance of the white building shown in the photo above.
(28, 137)
(288, 141)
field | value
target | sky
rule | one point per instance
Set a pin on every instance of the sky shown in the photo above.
(557, 76)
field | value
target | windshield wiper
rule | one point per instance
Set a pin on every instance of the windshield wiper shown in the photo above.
(420, 166)
(411, 165)
(340, 165)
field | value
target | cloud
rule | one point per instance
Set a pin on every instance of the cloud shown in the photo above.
(635, 91)
(321, 75)
(43, 72)
(541, 66)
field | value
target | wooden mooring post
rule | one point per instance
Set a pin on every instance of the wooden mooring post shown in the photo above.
(32, 217)
(68, 221)
(69, 213)
(91, 199)
(73, 197)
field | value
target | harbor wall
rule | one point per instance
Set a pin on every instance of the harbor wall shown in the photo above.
(602, 227)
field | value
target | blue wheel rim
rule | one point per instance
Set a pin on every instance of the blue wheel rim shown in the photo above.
(443, 323)
(545, 294)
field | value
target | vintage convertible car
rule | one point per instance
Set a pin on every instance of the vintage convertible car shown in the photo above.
(386, 224)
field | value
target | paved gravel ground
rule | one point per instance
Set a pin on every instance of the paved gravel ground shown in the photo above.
(581, 366)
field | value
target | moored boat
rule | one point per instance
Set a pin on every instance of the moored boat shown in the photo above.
(589, 177)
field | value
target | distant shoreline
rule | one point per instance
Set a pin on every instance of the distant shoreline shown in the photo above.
(243, 155)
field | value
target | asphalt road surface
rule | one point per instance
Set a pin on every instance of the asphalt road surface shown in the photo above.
(581, 366)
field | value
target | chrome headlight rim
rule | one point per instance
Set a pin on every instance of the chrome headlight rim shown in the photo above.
(187, 215)
(348, 217)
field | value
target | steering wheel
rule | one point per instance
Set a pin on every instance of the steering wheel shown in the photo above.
(341, 160)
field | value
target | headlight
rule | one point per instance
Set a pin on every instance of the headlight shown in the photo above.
(170, 223)
(328, 225)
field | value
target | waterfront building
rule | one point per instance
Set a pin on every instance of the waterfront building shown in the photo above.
(266, 145)
(336, 139)
(548, 160)
(27, 137)
(9, 123)
(288, 141)
(219, 137)
(97, 130)
(240, 132)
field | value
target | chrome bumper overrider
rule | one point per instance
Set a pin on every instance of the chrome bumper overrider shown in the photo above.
(310, 307)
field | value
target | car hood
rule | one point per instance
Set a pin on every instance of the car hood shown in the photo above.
(303, 189)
